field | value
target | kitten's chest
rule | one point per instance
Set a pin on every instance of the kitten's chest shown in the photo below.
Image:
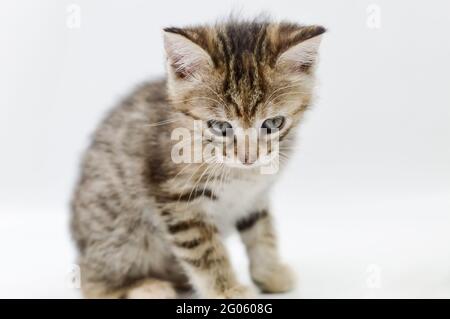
(236, 199)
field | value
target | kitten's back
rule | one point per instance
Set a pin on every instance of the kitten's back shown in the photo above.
(115, 164)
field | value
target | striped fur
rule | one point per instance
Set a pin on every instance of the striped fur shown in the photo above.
(143, 223)
(249, 221)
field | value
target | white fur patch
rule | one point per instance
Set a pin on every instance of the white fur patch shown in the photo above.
(238, 199)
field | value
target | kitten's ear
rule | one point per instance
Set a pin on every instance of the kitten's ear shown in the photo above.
(185, 58)
(301, 49)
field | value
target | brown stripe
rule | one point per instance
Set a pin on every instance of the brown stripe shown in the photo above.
(206, 260)
(195, 194)
(204, 264)
(190, 243)
(188, 113)
(185, 225)
(165, 213)
(184, 197)
(249, 221)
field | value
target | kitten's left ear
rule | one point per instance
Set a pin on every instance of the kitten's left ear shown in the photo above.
(302, 48)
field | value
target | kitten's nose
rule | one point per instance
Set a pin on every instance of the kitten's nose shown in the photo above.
(248, 160)
(247, 148)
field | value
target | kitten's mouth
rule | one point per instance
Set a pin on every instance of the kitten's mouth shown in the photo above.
(262, 162)
(233, 163)
(242, 165)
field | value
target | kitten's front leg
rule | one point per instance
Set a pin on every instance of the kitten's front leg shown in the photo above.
(267, 271)
(198, 247)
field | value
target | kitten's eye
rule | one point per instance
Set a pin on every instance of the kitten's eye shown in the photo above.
(274, 123)
(219, 127)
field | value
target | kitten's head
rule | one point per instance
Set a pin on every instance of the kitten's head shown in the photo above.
(239, 78)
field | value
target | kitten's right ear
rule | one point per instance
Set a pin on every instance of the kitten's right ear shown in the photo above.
(185, 58)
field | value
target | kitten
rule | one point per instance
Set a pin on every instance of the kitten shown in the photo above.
(146, 224)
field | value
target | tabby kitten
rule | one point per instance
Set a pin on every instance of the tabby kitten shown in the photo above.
(146, 224)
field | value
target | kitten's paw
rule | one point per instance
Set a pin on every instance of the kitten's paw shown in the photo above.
(236, 292)
(275, 279)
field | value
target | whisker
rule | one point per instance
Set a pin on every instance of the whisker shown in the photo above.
(214, 188)
(198, 168)
(206, 184)
(164, 122)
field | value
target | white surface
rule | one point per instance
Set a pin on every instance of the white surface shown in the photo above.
(367, 193)
(349, 258)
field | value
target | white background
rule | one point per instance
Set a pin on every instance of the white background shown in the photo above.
(364, 207)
